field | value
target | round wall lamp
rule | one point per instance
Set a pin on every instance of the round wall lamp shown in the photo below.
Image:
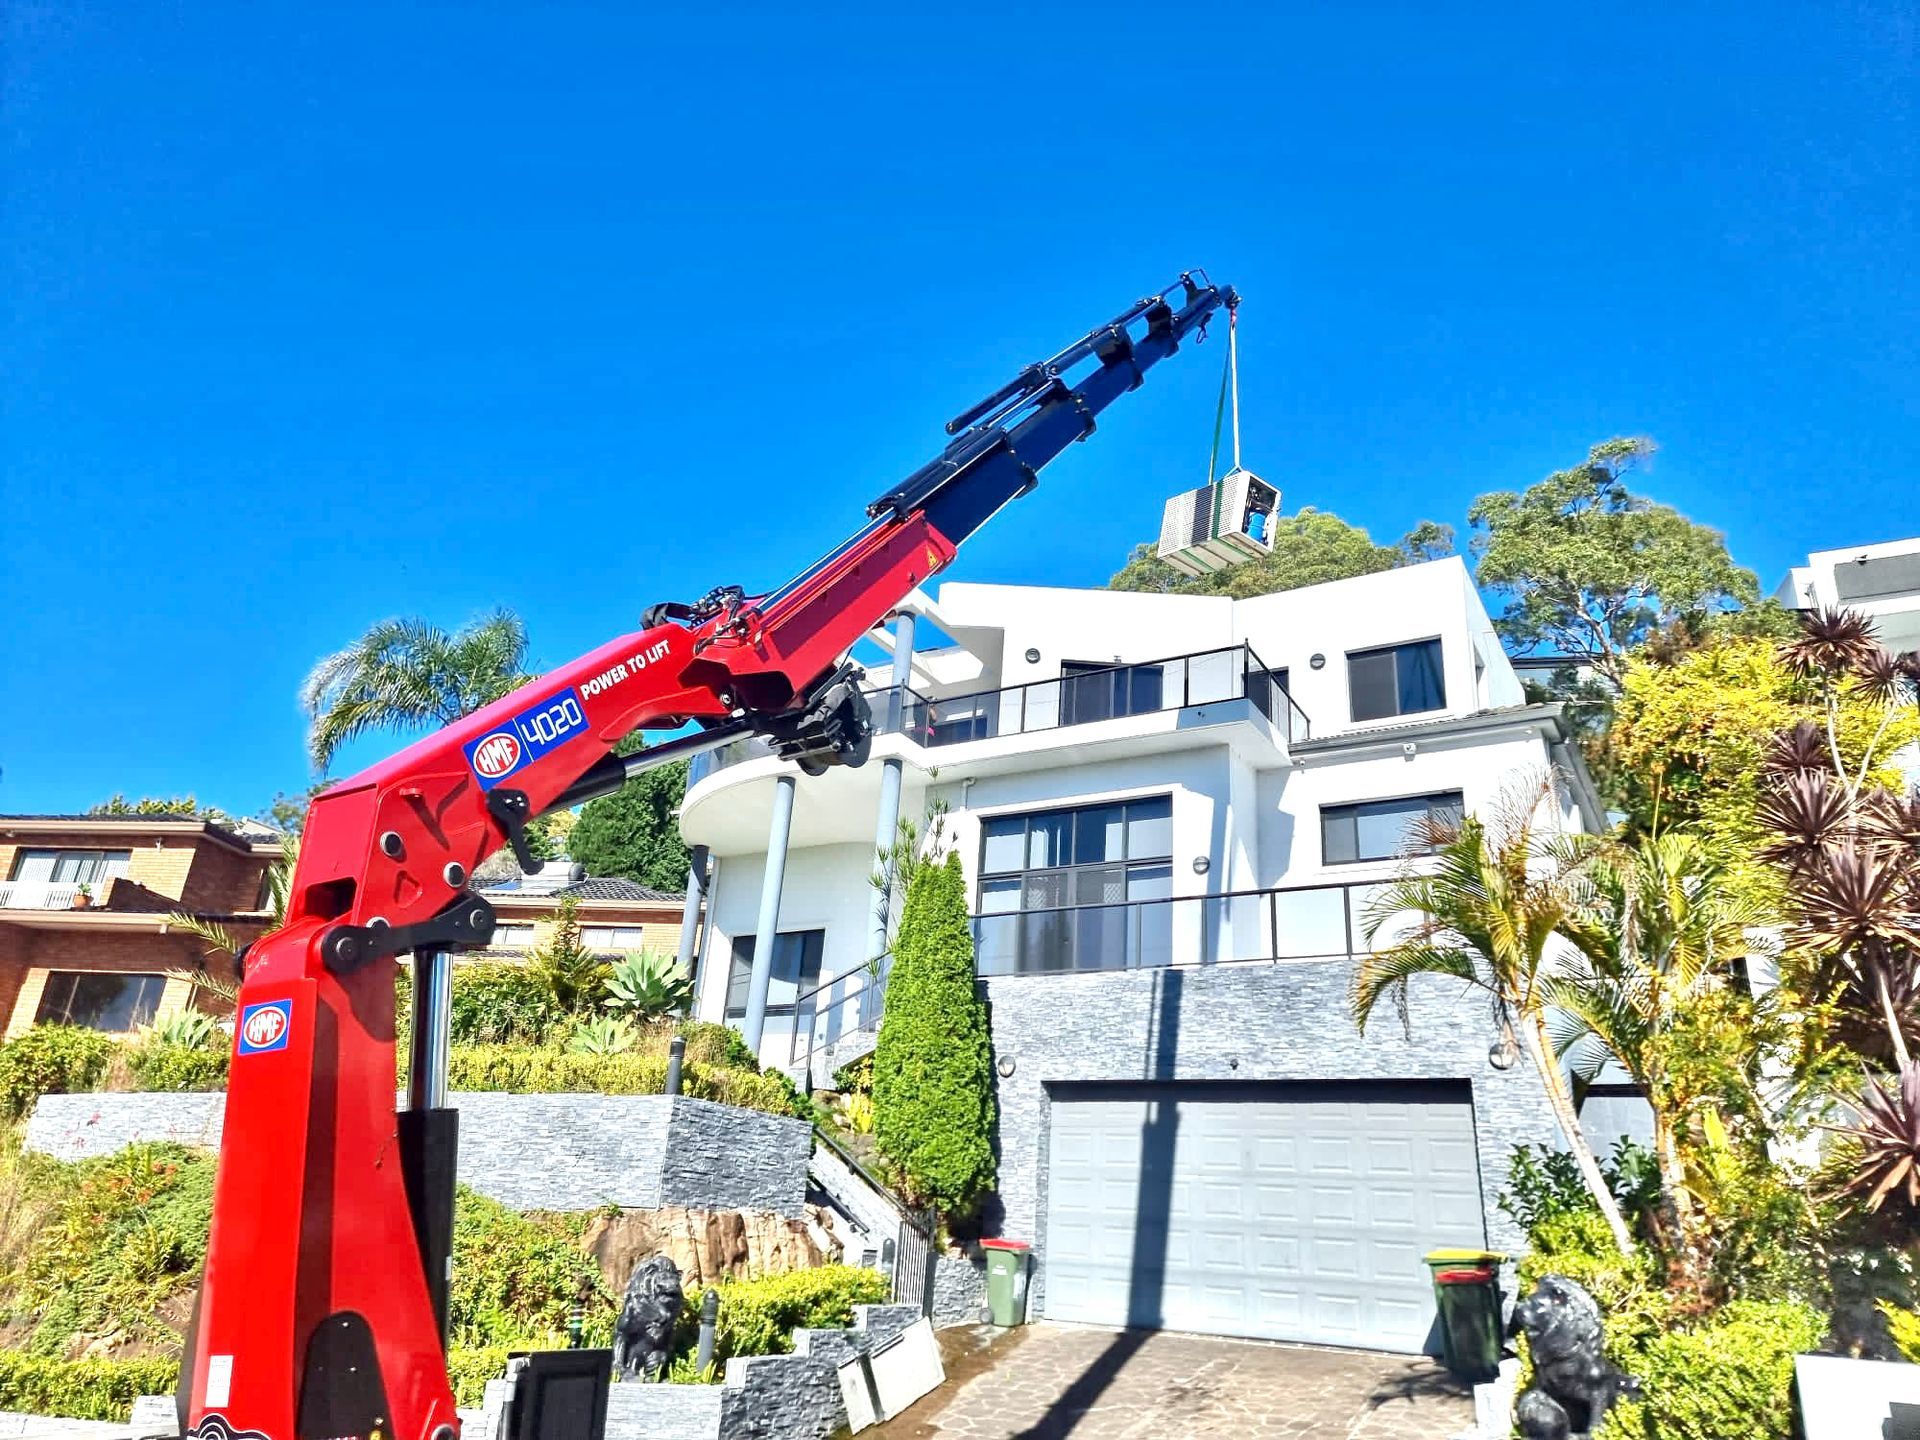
(1502, 1053)
(1318, 662)
(1005, 1065)
(1201, 864)
(1033, 657)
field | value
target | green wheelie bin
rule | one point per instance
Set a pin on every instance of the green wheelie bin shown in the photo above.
(1007, 1280)
(1466, 1287)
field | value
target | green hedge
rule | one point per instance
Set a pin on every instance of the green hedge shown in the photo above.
(531, 1070)
(51, 1060)
(499, 1002)
(758, 1317)
(180, 1067)
(471, 1368)
(1728, 1379)
(81, 1389)
(515, 1277)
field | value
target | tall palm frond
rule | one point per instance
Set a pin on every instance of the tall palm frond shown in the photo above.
(409, 675)
(1838, 642)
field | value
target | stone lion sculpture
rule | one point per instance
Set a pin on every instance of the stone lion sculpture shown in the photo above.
(1574, 1385)
(643, 1335)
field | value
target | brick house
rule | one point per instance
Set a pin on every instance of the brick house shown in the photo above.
(617, 916)
(86, 906)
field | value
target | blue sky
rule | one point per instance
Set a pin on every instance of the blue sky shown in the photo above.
(322, 314)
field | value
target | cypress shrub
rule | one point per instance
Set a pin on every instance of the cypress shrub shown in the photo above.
(933, 1065)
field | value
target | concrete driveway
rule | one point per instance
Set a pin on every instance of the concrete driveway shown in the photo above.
(1051, 1382)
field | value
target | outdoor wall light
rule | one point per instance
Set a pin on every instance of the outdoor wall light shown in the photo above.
(1502, 1053)
(1033, 657)
(1201, 864)
(1318, 662)
(1005, 1066)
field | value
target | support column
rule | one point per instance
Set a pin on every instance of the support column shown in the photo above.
(690, 912)
(887, 822)
(769, 923)
(429, 1132)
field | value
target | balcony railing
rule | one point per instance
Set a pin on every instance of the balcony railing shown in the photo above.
(1110, 692)
(1318, 922)
(48, 894)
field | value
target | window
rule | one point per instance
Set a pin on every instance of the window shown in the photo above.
(612, 937)
(1090, 692)
(1063, 880)
(1396, 680)
(796, 970)
(99, 1000)
(512, 937)
(70, 867)
(1385, 829)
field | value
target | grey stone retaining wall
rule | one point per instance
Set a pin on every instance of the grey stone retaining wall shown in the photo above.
(959, 1291)
(531, 1152)
(764, 1397)
(1241, 1023)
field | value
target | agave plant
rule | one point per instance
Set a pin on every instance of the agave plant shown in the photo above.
(188, 1029)
(603, 1035)
(648, 986)
(1888, 1134)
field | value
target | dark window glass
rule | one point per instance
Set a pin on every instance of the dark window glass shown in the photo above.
(99, 1000)
(796, 970)
(1090, 692)
(1384, 829)
(1396, 680)
(1082, 868)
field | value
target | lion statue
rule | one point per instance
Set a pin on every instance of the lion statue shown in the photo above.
(1573, 1383)
(643, 1335)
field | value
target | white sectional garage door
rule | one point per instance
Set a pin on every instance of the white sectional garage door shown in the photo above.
(1295, 1212)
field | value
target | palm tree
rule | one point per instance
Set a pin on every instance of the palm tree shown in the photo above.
(1658, 927)
(1484, 909)
(409, 675)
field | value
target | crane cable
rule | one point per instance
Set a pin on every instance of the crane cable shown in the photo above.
(1229, 383)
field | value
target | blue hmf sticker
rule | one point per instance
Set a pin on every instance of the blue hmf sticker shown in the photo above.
(537, 729)
(264, 1027)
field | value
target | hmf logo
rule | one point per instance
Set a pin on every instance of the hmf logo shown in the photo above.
(264, 1027)
(496, 755)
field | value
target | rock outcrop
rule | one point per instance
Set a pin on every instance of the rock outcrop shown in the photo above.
(708, 1245)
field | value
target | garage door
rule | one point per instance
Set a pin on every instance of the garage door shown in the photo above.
(1294, 1212)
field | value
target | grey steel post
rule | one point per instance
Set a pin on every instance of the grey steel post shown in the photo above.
(676, 1053)
(887, 822)
(690, 912)
(769, 923)
(709, 1320)
(432, 1022)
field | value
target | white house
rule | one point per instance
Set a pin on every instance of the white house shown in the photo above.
(1881, 580)
(1172, 811)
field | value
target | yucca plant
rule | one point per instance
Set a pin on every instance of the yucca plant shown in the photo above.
(187, 1029)
(603, 1035)
(647, 986)
(1851, 852)
(1887, 1132)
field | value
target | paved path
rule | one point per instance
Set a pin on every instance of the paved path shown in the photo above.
(1052, 1382)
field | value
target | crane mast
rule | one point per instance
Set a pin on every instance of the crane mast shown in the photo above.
(322, 1310)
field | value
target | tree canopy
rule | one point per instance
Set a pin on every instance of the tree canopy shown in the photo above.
(1309, 547)
(410, 675)
(634, 831)
(158, 805)
(1591, 570)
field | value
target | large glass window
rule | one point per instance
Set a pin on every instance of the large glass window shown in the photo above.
(612, 937)
(796, 970)
(1385, 829)
(70, 867)
(1059, 889)
(1396, 680)
(1090, 692)
(100, 1000)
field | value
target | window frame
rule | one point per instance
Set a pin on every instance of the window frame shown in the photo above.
(1367, 652)
(101, 870)
(152, 981)
(817, 934)
(1456, 796)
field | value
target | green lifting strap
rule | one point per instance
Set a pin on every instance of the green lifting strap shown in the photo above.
(1213, 457)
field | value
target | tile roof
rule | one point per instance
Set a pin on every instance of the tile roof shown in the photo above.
(240, 831)
(617, 888)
